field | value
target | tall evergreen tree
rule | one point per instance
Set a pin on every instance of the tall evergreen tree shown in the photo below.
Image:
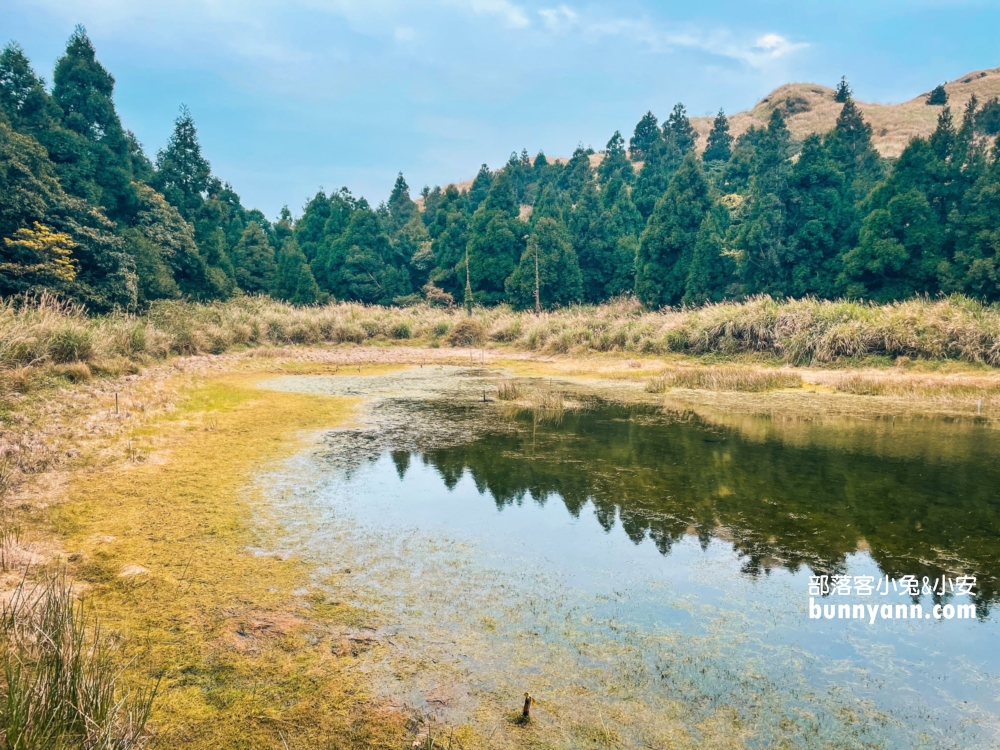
(591, 245)
(578, 173)
(401, 206)
(850, 144)
(548, 271)
(182, 173)
(480, 187)
(615, 163)
(843, 91)
(622, 224)
(667, 244)
(293, 280)
(449, 237)
(646, 135)
(720, 142)
(711, 272)
(253, 258)
(661, 162)
(95, 164)
(496, 241)
(23, 99)
(679, 130)
(821, 224)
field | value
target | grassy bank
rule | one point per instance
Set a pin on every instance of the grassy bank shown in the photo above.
(155, 523)
(67, 342)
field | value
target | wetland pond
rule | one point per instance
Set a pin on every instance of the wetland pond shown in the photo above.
(645, 572)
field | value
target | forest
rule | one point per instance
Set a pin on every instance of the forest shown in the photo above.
(87, 216)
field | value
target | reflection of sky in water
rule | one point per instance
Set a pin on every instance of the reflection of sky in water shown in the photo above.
(621, 623)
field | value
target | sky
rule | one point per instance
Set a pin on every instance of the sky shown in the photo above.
(297, 95)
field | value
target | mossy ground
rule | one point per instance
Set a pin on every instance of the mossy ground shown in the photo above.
(242, 661)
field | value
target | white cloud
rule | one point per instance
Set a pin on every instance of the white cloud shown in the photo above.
(559, 19)
(757, 52)
(513, 15)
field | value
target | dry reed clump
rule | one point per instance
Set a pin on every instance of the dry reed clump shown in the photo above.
(467, 332)
(61, 682)
(508, 390)
(742, 379)
(892, 385)
(44, 331)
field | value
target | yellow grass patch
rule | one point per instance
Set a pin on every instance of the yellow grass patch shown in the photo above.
(163, 542)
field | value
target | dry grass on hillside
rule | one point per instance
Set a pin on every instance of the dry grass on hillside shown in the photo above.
(810, 108)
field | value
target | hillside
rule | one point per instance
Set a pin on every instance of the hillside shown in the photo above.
(810, 108)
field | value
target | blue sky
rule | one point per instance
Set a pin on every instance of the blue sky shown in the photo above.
(294, 95)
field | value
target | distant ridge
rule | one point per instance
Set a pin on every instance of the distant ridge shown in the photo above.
(810, 108)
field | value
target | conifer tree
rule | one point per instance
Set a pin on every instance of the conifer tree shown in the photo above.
(548, 267)
(647, 133)
(938, 96)
(496, 241)
(711, 272)
(667, 244)
(577, 174)
(23, 99)
(851, 146)
(843, 91)
(182, 173)
(294, 281)
(401, 207)
(592, 247)
(622, 224)
(449, 234)
(719, 145)
(480, 187)
(661, 162)
(615, 163)
(820, 224)
(253, 258)
(94, 159)
(679, 130)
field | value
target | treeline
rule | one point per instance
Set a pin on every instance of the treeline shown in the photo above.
(86, 214)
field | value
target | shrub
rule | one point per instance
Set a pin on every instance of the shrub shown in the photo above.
(467, 332)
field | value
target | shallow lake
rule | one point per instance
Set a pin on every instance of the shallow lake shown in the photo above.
(645, 572)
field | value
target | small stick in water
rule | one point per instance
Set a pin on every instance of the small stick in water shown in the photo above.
(116, 403)
(528, 700)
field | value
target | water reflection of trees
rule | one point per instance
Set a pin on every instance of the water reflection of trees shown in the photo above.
(778, 504)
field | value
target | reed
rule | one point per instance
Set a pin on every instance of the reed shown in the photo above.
(45, 333)
(743, 379)
(61, 683)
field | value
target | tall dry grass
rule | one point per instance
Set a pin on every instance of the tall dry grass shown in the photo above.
(741, 379)
(45, 332)
(61, 684)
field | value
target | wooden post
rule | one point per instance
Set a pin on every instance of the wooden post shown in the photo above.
(116, 403)
(528, 700)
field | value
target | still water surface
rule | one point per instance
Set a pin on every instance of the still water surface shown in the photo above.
(645, 571)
